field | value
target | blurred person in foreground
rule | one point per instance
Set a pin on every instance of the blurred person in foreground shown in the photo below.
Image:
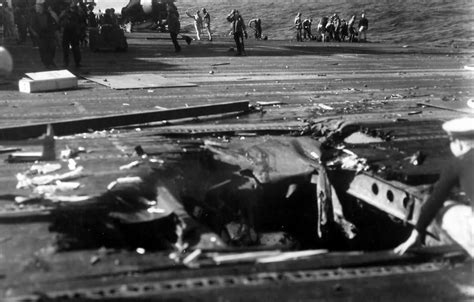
(45, 28)
(238, 30)
(456, 219)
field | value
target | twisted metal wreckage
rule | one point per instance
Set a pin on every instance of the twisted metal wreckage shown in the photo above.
(269, 190)
(267, 198)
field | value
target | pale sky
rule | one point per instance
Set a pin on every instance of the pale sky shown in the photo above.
(117, 4)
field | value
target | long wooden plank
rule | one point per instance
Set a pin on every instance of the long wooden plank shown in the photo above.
(68, 127)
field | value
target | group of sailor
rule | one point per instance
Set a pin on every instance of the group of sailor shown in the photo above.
(332, 28)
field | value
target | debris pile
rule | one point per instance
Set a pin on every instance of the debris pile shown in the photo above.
(308, 191)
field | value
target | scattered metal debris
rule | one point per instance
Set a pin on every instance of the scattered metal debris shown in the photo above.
(269, 103)
(362, 138)
(325, 107)
(417, 158)
(130, 165)
(125, 180)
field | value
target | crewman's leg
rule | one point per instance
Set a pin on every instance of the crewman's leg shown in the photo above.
(51, 52)
(362, 34)
(43, 51)
(242, 45)
(208, 29)
(237, 43)
(174, 39)
(65, 44)
(198, 31)
(76, 51)
(22, 31)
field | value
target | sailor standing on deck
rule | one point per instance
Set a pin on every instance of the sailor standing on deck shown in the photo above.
(352, 30)
(70, 21)
(322, 28)
(44, 27)
(256, 25)
(172, 19)
(7, 16)
(197, 23)
(238, 30)
(363, 27)
(298, 27)
(206, 18)
(457, 219)
(91, 17)
(307, 29)
(21, 23)
(337, 27)
(343, 31)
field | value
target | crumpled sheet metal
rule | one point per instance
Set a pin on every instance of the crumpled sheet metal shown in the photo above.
(274, 159)
(226, 181)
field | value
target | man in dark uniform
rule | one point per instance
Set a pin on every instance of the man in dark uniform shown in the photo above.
(238, 30)
(323, 22)
(44, 27)
(337, 27)
(206, 19)
(21, 23)
(352, 30)
(307, 29)
(91, 17)
(70, 21)
(457, 219)
(173, 24)
(344, 30)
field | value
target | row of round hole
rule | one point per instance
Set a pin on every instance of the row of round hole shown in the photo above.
(390, 196)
